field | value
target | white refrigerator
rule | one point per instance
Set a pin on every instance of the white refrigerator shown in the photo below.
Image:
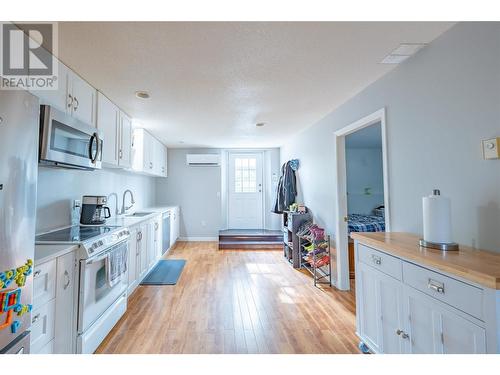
(19, 128)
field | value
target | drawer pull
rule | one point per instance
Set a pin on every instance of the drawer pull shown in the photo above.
(436, 286)
(68, 280)
(37, 273)
(35, 318)
(376, 259)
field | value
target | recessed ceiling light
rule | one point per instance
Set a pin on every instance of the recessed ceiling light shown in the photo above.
(142, 94)
(260, 124)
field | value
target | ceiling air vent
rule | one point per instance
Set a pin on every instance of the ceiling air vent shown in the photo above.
(203, 160)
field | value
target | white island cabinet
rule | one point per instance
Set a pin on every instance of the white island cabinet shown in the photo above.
(414, 300)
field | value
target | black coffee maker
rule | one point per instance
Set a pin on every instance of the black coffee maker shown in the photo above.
(94, 210)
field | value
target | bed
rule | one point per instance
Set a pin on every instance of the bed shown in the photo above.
(362, 223)
(365, 223)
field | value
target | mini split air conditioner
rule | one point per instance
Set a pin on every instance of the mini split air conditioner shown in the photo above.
(203, 160)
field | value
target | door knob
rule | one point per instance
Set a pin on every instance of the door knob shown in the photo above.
(346, 219)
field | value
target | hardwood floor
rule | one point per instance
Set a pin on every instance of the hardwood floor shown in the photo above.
(235, 302)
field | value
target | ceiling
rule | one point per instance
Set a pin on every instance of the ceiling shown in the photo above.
(369, 137)
(211, 82)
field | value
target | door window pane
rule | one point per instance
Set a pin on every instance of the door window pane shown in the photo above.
(245, 175)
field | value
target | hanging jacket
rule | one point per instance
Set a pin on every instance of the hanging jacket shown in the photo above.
(287, 187)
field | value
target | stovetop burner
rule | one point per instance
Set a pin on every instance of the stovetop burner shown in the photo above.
(75, 234)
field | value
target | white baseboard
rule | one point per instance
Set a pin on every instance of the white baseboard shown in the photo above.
(198, 239)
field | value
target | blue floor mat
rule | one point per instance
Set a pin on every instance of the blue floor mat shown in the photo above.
(166, 272)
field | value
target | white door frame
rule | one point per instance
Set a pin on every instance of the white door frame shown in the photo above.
(341, 191)
(225, 180)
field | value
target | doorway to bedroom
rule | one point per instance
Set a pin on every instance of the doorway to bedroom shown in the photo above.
(362, 197)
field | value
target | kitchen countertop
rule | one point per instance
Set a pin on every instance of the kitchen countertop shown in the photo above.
(479, 266)
(44, 253)
(128, 221)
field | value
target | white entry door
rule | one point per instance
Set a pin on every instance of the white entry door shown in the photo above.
(245, 191)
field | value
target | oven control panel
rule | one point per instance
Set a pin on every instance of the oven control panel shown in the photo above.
(100, 244)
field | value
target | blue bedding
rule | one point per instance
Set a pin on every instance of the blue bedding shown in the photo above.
(365, 223)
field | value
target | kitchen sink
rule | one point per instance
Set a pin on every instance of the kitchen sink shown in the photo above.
(139, 214)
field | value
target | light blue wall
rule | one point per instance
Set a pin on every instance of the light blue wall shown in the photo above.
(364, 171)
(440, 104)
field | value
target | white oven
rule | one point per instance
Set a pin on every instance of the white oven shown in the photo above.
(101, 301)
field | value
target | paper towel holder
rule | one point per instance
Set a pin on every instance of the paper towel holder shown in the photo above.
(452, 246)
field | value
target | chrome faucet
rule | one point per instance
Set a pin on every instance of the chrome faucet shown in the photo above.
(132, 201)
(116, 202)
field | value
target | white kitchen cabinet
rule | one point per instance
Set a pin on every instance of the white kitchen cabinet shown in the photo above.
(82, 99)
(432, 328)
(174, 225)
(73, 95)
(133, 258)
(66, 289)
(402, 307)
(116, 127)
(143, 250)
(149, 156)
(125, 141)
(368, 303)
(54, 301)
(107, 123)
(57, 98)
(156, 235)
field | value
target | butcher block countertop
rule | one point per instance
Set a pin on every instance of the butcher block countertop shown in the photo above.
(479, 266)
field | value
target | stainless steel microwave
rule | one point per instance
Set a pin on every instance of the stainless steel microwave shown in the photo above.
(67, 142)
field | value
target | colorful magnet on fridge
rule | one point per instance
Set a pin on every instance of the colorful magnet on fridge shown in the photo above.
(15, 326)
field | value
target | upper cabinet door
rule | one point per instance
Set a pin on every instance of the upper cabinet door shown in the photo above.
(107, 122)
(125, 149)
(83, 97)
(58, 97)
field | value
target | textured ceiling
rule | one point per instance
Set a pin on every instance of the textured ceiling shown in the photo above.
(211, 82)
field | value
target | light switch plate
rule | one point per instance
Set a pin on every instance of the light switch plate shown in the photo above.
(491, 149)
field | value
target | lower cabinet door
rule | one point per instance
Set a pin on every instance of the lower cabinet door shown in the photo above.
(367, 307)
(460, 336)
(439, 329)
(65, 304)
(422, 323)
(391, 314)
(132, 259)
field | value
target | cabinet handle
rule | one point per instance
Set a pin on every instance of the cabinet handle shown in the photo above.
(35, 318)
(376, 259)
(37, 273)
(77, 103)
(70, 103)
(120, 154)
(68, 280)
(436, 286)
(150, 165)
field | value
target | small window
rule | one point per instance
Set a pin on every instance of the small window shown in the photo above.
(245, 175)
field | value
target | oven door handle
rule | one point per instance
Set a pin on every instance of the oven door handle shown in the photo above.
(102, 257)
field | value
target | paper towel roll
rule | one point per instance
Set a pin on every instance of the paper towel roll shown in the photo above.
(437, 218)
